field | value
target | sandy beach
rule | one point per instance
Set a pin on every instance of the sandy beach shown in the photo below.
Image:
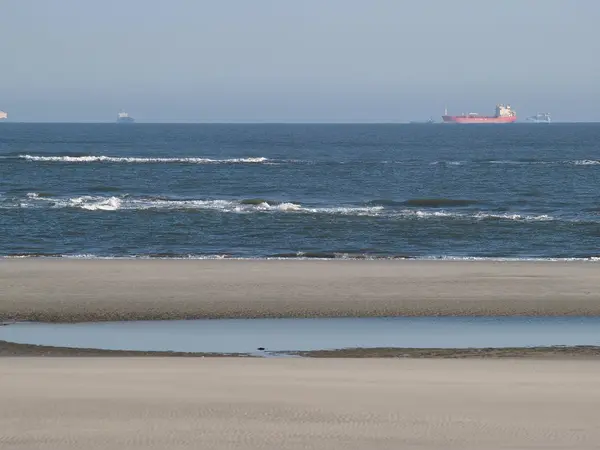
(398, 398)
(88, 290)
(183, 403)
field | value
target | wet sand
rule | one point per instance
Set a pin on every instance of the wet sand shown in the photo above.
(9, 349)
(183, 403)
(60, 290)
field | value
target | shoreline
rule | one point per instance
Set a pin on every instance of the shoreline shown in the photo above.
(299, 256)
(48, 290)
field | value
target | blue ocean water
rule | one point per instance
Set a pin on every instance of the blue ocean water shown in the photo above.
(424, 191)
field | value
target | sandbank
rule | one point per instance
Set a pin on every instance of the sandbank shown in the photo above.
(63, 290)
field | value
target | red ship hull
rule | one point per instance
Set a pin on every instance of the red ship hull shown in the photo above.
(478, 119)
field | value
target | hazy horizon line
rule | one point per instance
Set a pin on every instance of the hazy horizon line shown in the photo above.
(522, 122)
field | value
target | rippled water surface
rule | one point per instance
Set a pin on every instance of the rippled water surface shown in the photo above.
(520, 191)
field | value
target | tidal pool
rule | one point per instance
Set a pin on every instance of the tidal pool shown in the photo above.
(280, 335)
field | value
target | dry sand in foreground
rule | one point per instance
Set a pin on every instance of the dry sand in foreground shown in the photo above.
(182, 403)
(83, 290)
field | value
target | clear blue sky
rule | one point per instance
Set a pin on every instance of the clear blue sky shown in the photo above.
(296, 61)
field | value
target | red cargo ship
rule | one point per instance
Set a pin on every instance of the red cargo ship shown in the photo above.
(504, 114)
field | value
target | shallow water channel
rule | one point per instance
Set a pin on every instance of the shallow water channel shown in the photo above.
(280, 335)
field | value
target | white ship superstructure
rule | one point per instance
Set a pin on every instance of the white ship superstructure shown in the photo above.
(3, 115)
(505, 111)
(124, 117)
(540, 118)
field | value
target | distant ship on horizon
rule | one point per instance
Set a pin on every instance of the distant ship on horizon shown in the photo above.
(540, 118)
(504, 114)
(429, 121)
(124, 117)
(3, 115)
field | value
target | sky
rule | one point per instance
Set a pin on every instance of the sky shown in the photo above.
(297, 61)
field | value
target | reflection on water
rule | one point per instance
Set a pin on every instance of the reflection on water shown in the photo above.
(247, 335)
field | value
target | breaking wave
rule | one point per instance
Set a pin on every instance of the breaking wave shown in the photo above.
(299, 255)
(521, 162)
(481, 216)
(114, 203)
(388, 210)
(138, 160)
(75, 158)
(586, 162)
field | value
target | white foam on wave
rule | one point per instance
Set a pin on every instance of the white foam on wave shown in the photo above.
(419, 214)
(519, 217)
(348, 211)
(92, 204)
(580, 162)
(427, 214)
(99, 203)
(189, 256)
(507, 258)
(138, 160)
(126, 202)
(441, 258)
(586, 162)
(264, 160)
(88, 202)
(447, 163)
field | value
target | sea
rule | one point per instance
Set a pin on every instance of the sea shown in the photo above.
(424, 191)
